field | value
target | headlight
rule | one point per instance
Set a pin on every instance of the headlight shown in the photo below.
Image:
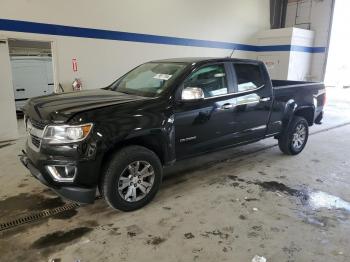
(66, 133)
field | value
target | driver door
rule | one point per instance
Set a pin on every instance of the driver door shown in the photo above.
(204, 124)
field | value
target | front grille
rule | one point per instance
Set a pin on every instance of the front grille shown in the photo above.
(38, 124)
(35, 141)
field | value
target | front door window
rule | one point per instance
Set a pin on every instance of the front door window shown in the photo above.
(212, 79)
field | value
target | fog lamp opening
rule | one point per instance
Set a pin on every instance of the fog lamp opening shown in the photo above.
(62, 173)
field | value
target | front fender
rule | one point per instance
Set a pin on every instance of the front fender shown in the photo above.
(145, 131)
(165, 137)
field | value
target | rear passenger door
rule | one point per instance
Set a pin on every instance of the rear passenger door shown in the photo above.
(253, 101)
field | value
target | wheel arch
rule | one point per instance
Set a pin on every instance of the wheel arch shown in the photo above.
(293, 109)
(153, 142)
(306, 112)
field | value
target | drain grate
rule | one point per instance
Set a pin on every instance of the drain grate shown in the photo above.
(33, 217)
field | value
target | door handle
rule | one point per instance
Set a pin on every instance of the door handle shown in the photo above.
(20, 89)
(227, 106)
(265, 99)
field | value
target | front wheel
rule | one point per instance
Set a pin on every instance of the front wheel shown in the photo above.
(132, 178)
(293, 139)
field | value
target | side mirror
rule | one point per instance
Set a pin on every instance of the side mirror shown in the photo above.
(192, 93)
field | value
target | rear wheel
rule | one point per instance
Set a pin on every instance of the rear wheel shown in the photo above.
(293, 139)
(132, 178)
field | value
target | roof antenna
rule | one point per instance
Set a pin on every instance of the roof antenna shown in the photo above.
(233, 50)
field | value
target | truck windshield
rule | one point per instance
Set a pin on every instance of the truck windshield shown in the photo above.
(149, 79)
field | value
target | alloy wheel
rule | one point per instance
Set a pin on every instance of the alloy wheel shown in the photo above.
(299, 136)
(136, 181)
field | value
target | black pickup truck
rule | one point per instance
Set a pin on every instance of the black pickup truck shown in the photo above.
(118, 138)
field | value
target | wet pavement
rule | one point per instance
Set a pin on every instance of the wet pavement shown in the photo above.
(227, 206)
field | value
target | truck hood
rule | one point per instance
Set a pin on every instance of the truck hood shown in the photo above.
(61, 107)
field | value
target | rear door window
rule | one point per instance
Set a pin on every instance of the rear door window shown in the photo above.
(249, 77)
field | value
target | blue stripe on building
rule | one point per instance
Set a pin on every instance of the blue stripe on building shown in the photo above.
(62, 30)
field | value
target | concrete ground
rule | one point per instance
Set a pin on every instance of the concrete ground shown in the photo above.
(226, 206)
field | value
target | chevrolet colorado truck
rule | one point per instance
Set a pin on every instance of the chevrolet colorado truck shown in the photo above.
(116, 140)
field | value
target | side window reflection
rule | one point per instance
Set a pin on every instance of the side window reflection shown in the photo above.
(212, 79)
(251, 98)
(249, 77)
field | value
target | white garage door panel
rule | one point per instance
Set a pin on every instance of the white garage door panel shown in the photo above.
(31, 77)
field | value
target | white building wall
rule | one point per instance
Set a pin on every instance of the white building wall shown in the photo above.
(102, 61)
(8, 126)
(315, 15)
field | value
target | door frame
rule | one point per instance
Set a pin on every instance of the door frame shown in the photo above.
(179, 104)
(10, 130)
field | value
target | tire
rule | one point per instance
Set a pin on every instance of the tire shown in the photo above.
(124, 168)
(291, 142)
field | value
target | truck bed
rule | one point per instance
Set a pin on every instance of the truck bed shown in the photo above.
(301, 93)
(298, 89)
(278, 84)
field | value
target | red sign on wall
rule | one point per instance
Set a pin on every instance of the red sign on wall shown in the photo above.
(74, 65)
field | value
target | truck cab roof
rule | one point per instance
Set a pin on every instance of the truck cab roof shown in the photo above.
(190, 60)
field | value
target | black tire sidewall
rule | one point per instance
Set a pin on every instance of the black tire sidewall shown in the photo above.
(117, 165)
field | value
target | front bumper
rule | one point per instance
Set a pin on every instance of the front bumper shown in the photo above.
(78, 194)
